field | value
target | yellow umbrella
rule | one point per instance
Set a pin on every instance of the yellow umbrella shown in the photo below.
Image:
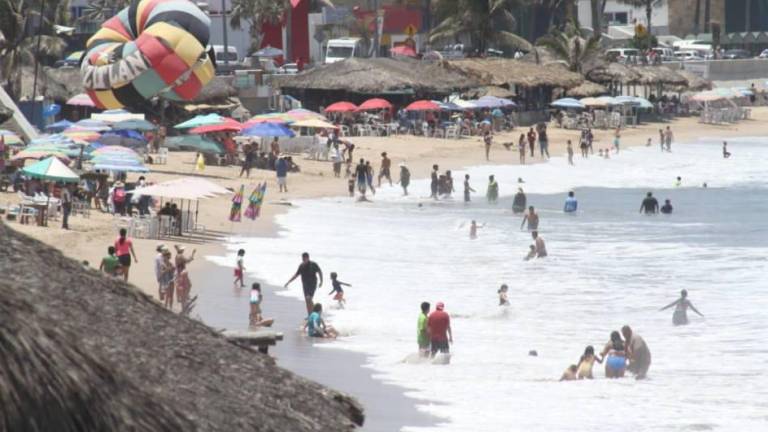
(314, 123)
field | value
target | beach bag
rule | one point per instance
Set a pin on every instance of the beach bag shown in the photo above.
(119, 195)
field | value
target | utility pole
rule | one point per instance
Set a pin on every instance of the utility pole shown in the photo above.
(37, 49)
(224, 33)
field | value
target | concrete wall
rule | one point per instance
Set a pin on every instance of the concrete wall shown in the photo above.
(727, 70)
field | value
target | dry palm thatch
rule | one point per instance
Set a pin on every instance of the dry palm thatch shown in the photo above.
(655, 75)
(184, 366)
(218, 89)
(499, 72)
(377, 75)
(693, 82)
(612, 73)
(494, 91)
(587, 88)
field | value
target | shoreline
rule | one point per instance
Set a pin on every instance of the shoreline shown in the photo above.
(387, 407)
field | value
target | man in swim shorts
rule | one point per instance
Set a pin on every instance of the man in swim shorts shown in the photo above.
(637, 352)
(439, 327)
(538, 244)
(308, 270)
(649, 205)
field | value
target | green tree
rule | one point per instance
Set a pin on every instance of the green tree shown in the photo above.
(486, 23)
(256, 12)
(22, 30)
(571, 46)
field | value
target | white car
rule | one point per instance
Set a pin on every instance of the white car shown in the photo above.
(688, 56)
(763, 54)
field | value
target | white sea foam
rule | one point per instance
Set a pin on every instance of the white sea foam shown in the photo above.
(608, 266)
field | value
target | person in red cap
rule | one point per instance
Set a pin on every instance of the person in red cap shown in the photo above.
(439, 326)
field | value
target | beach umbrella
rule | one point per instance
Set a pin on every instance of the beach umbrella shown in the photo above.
(423, 105)
(237, 205)
(342, 106)
(281, 118)
(268, 130)
(124, 138)
(497, 112)
(75, 56)
(116, 115)
(81, 99)
(59, 126)
(567, 103)
(196, 143)
(92, 125)
(40, 154)
(255, 200)
(51, 169)
(135, 124)
(116, 158)
(75, 133)
(375, 104)
(303, 113)
(315, 123)
(464, 104)
(494, 102)
(707, 96)
(403, 50)
(268, 52)
(10, 138)
(201, 120)
(229, 125)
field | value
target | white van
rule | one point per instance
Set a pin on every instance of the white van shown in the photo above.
(232, 57)
(688, 55)
(622, 54)
(343, 48)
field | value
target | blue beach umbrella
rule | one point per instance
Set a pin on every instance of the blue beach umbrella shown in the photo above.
(567, 103)
(136, 125)
(268, 130)
(59, 126)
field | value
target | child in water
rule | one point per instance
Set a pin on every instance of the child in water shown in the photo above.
(239, 269)
(254, 318)
(586, 361)
(570, 374)
(503, 301)
(473, 229)
(337, 284)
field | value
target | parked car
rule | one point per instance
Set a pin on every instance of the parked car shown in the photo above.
(736, 54)
(688, 56)
(763, 54)
(289, 68)
(621, 54)
(666, 54)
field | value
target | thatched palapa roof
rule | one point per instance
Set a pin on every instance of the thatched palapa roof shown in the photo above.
(81, 351)
(494, 91)
(693, 82)
(654, 75)
(377, 75)
(587, 88)
(499, 72)
(612, 72)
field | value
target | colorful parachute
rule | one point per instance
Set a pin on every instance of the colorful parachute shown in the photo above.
(148, 48)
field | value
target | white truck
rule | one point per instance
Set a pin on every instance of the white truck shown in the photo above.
(227, 61)
(344, 48)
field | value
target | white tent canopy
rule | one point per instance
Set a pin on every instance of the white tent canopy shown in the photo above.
(189, 188)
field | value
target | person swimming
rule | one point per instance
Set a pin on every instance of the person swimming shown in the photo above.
(678, 181)
(667, 207)
(616, 360)
(586, 362)
(473, 229)
(503, 300)
(680, 315)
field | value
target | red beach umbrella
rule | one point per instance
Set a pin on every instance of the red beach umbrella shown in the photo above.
(375, 104)
(423, 105)
(229, 125)
(341, 107)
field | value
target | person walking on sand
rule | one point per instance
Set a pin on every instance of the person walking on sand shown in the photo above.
(239, 269)
(521, 148)
(250, 155)
(467, 188)
(124, 248)
(405, 178)
(532, 218)
(386, 165)
(519, 202)
(309, 271)
(487, 140)
(435, 181)
(281, 169)
(183, 282)
(583, 147)
(538, 243)
(167, 277)
(569, 148)
(680, 315)
(66, 205)
(336, 287)
(649, 205)
(439, 327)
(543, 141)
(726, 153)
(637, 352)
(422, 333)
(254, 315)
(493, 190)
(158, 266)
(668, 138)
(531, 140)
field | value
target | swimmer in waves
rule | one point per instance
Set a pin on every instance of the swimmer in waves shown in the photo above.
(680, 315)
(615, 356)
(473, 227)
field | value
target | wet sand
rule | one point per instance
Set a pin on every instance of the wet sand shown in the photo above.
(219, 305)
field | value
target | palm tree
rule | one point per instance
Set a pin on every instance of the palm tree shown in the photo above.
(571, 47)
(256, 12)
(597, 8)
(19, 25)
(487, 23)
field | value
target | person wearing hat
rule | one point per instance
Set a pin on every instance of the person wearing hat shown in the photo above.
(439, 328)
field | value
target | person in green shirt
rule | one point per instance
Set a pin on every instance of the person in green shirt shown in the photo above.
(110, 264)
(422, 334)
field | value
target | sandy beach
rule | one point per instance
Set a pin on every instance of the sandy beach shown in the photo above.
(88, 238)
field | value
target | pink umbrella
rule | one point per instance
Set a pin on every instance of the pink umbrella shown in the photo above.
(81, 100)
(341, 107)
(423, 105)
(229, 125)
(375, 104)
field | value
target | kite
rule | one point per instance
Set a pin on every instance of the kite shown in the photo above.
(254, 202)
(151, 47)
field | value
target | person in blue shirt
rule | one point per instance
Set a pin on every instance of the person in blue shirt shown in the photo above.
(281, 169)
(570, 203)
(316, 327)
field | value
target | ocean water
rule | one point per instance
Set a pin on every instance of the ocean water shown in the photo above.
(607, 266)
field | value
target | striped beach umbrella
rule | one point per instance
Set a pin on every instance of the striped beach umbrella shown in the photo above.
(237, 205)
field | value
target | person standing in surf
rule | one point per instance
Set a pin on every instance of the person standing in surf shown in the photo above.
(570, 152)
(405, 178)
(637, 352)
(467, 188)
(493, 190)
(532, 218)
(308, 270)
(519, 202)
(726, 153)
(384, 171)
(361, 174)
(422, 333)
(649, 205)
(538, 244)
(680, 315)
(571, 205)
(435, 181)
(439, 327)
(668, 137)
